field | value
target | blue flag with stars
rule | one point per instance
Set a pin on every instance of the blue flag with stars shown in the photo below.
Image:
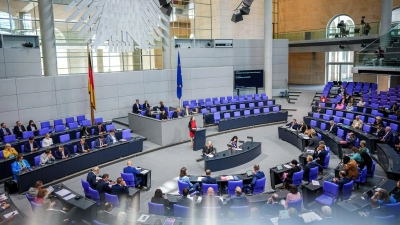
(179, 83)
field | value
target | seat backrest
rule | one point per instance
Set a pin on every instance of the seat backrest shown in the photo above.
(205, 187)
(232, 186)
(329, 112)
(170, 113)
(259, 187)
(326, 117)
(347, 190)
(227, 115)
(73, 125)
(43, 131)
(393, 209)
(181, 186)
(36, 208)
(251, 105)
(232, 107)
(371, 120)
(297, 177)
(1, 155)
(246, 112)
(30, 199)
(59, 128)
(110, 127)
(86, 123)
(260, 104)
(36, 160)
(393, 117)
(236, 114)
(270, 103)
(94, 195)
(126, 134)
(242, 106)
(316, 115)
(266, 110)
(327, 159)
(336, 119)
(394, 127)
(223, 108)
(330, 189)
(217, 116)
(297, 204)
(58, 122)
(366, 128)
(128, 178)
(346, 122)
(80, 118)
(213, 109)
(27, 134)
(181, 211)
(64, 138)
(339, 113)
(350, 116)
(256, 111)
(45, 124)
(69, 120)
(275, 109)
(313, 123)
(112, 199)
(340, 132)
(323, 126)
(98, 120)
(313, 174)
(204, 111)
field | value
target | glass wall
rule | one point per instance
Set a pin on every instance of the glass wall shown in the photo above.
(190, 19)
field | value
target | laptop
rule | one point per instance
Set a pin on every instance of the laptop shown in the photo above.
(284, 214)
(279, 167)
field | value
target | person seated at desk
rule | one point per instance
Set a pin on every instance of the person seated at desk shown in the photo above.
(146, 104)
(384, 111)
(349, 107)
(323, 98)
(100, 142)
(150, 113)
(366, 158)
(33, 191)
(41, 196)
(333, 127)
(319, 156)
(46, 157)
(120, 187)
(105, 215)
(32, 127)
(350, 166)
(314, 141)
(287, 177)
(208, 149)
(192, 129)
(176, 113)
(383, 197)
(294, 218)
(82, 147)
(257, 175)
(355, 155)
(310, 164)
(163, 115)
(394, 107)
(136, 107)
(9, 152)
(161, 107)
(111, 138)
(377, 210)
(184, 178)
(396, 191)
(342, 180)
(187, 111)
(57, 216)
(350, 141)
(238, 200)
(31, 145)
(210, 200)
(361, 103)
(4, 131)
(292, 196)
(378, 120)
(308, 131)
(320, 109)
(380, 132)
(19, 129)
(61, 153)
(293, 125)
(233, 143)
(302, 127)
(357, 123)
(341, 90)
(19, 165)
(158, 198)
(91, 177)
(339, 106)
(387, 138)
(100, 129)
(272, 206)
(47, 141)
(103, 185)
(84, 132)
(208, 179)
(130, 169)
(184, 200)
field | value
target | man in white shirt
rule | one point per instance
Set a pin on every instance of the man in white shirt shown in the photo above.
(136, 107)
(357, 123)
(186, 111)
(111, 138)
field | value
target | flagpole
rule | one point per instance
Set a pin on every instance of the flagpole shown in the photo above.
(90, 102)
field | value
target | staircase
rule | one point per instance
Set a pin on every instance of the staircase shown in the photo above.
(293, 96)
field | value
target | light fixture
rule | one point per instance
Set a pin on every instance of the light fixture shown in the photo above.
(243, 11)
(247, 2)
(237, 17)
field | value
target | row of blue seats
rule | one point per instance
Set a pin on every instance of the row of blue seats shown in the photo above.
(373, 112)
(217, 115)
(81, 120)
(223, 100)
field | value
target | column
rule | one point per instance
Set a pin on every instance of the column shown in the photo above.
(386, 22)
(166, 46)
(268, 47)
(383, 82)
(47, 37)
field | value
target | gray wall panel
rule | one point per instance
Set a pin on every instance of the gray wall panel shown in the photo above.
(38, 114)
(32, 85)
(22, 55)
(130, 89)
(72, 95)
(106, 79)
(73, 109)
(38, 99)
(131, 77)
(71, 82)
(23, 69)
(7, 87)
(2, 70)
(107, 115)
(9, 118)
(107, 104)
(106, 92)
(8, 103)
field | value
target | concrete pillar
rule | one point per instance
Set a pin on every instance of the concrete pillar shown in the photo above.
(386, 22)
(47, 37)
(383, 83)
(99, 60)
(166, 46)
(268, 47)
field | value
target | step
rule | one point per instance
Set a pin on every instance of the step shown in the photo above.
(289, 109)
(297, 95)
(291, 92)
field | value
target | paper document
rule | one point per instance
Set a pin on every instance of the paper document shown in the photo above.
(210, 156)
(199, 178)
(310, 217)
(3, 197)
(239, 149)
(144, 172)
(10, 214)
(287, 166)
(229, 177)
(143, 218)
(69, 197)
(274, 220)
(63, 192)
(316, 183)
(50, 189)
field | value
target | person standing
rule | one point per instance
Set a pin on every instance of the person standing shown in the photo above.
(192, 129)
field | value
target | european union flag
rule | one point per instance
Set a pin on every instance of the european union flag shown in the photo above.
(179, 83)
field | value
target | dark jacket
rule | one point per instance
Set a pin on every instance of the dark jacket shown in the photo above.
(97, 130)
(17, 132)
(343, 181)
(257, 176)
(79, 147)
(208, 180)
(58, 154)
(207, 150)
(146, 105)
(387, 138)
(102, 187)
(161, 200)
(309, 166)
(237, 201)
(314, 142)
(97, 142)
(302, 129)
(148, 113)
(2, 134)
(91, 179)
(136, 108)
(184, 201)
(117, 189)
(293, 126)
(28, 128)
(161, 107)
(106, 217)
(164, 116)
(28, 146)
(272, 209)
(350, 142)
(175, 115)
(333, 129)
(321, 155)
(380, 133)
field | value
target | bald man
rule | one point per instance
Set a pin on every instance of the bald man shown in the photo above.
(130, 169)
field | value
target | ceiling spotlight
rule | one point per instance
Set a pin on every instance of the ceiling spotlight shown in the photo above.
(247, 2)
(245, 10)
(341, 47)
(237, 17)
(166, 7)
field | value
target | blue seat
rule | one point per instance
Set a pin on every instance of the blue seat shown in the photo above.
(327, 159)
(316, 115)
(9, 138)
(384, 220)
(80, 118)
(336, 119)
(246, 112)
(394, 127)
(69, 120)
(86, 123)
(232, 107)
(347, 190)
(326, 117)
(112, 199)
(270, 103)
(362, 178)
(313, 123)
(350, 116)
(265, 110)
(73, 125)
(130, 179)
(256, 111)
(156, 209)
(85, 186)
(259, 187)
(323, 126)
(205, 187)
(185, 103)
(43, 131)
(313, 174)
(59, 128)
(111, 127)
(227, 115)
(339, 113)
(347, 122)
(240, 211)
(236, 114)
(296, 204)
(64, 138)
(340, 133)
(30, 199)
(27, 134)
(181, 211)
(251, 105)
(260, 104)
(181, 186)
(213, 110)
(393, 209)
(329, 112)
(45, 124)
(371, 173)
(393, 117)
(329, 195)
(58, 122)
(232, 186)
(204, 111)
(126, 134)
(371, 120)
(36, 208)
(98, 120)
(223, 108)
(217, 117)
(242, 106)
(297, 178)
(275, 109)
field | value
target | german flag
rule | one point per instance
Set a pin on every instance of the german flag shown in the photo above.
(91, 83)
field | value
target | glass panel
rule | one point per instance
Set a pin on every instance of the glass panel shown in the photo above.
(345, 73)
(333, 72)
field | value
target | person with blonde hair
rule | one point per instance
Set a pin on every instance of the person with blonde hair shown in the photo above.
(9, 152)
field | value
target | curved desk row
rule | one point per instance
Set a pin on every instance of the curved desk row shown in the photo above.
(231, 158)
(252, 120)
(77, 163)
(295, 138)
(222, 183)
(389, 160)
(246, 104)
(18, 219)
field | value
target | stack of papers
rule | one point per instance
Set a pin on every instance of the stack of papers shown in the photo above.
(50, 189)
(10, 214)
(310, 217)
(63, 192)
(316, 183)
(3, 197)
(227, 178)
(69, 197)
(199, 178)
(144, 172)
(143, 218)
(287, 166)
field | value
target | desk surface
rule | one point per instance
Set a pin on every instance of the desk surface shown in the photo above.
(18, 219)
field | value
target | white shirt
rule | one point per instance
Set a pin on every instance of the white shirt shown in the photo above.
(47, 142)
(31, 144)
(114, 139)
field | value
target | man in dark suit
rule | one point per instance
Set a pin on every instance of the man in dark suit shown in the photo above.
(184, 200)
(310, 164)
(289, 176)
(57, 216)
(342, 180)
(18, 129)
(350, 141)
(333, 128)
(136, 107)
(91, 177)
(100, 129)
(293, 124)
(31, 145)
(208, 179)
(186, 111)
(101, 142)
(119, 188)
(314, 141)
(82, 147)
(319, 155)
(238, 200)
(111, 138)
(105, 216)
(130, 169)
(103, 186)
(380, 132)
(149, 112)
(4, 131)
(163, 115)
(272, 206)
(61, 153)
(257, 175)
(387, 138)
